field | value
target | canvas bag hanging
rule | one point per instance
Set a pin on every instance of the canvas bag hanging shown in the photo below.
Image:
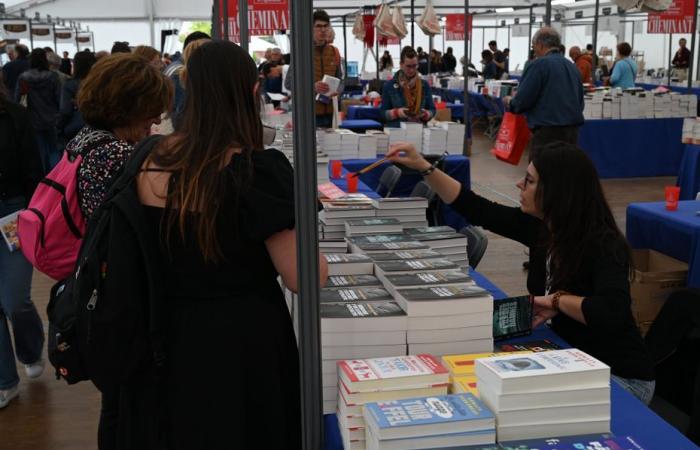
(513, 136)
(384, 23)
(399, 22)
(358, 28)
(428, 21)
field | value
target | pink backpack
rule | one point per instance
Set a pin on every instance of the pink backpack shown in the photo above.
(51, 228)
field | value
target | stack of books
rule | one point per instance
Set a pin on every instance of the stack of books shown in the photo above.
(461, 367)
(349, 143)
(603, 441)
(349, 264)
(322, 161)
(328, 141)
(429, 423)
(361, 381)
(555, 393)
(336, 212)
(381, 243)
(410, 211)
(367, 146)
(413, 133)
(444, 240)
(373, 226)
(434, 140)
(455, 137)
(382, 140)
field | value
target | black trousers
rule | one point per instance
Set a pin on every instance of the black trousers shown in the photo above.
(546, 135)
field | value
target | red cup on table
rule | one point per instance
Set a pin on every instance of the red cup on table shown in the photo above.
(352, 182)
(673, 193)
(336, 169)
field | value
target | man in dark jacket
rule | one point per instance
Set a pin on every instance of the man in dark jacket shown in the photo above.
(407, 97)
(12, 70)
(449, 61)
(550, 93)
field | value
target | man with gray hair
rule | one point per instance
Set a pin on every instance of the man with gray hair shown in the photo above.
(55, 66)
(550, 93)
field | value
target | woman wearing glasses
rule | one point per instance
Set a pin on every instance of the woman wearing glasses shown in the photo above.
(579, 260)
(407, 97)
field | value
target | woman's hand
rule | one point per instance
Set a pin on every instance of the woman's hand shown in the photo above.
(406, 154)
(542, 310)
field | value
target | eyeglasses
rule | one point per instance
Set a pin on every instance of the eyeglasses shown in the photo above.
(410, 66)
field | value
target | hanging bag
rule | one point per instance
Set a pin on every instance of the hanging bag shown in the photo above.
(513, 136)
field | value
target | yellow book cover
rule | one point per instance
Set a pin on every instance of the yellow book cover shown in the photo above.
(464, 364)
(464, 384)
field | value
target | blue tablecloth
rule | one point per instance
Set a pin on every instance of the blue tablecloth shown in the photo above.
(342, 184)
(629, 416)
(673, 233)
(361, 125)
(633, 147)
(356, 112)
(479, 105)
(689, 173)
(457, 111)
(456, 166)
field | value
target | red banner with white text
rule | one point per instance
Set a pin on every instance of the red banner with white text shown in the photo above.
(678, 18)
(454, 27)
(265, 17)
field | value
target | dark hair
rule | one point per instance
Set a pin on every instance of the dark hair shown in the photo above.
(506, 50)
(589, 47)
(48, 49)
(493, 43)
(575, 210)
(449, 50)
(267, 68)
(683, 39)
(321, 16)
(38, 59)
(82, 63)
(624, 48)
(22, 50)
(121, 90)
(419, 49)
(120, 47)
(195, 36)
(3, 91)
(408, 53)
(562, 49)
(222, 111)
(287, 58)
(487, 55)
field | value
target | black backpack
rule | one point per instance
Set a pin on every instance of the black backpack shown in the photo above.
(104, 324)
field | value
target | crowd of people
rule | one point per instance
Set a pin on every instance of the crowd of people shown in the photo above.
(223, 208)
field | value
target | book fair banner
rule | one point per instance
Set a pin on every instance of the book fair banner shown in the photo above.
(42, 32)
(84, 39)
(65, 36)
(14, 29)
(454, 27)
(678, 18)
(265, 17)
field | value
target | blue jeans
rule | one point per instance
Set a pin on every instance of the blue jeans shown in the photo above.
(47, 141)
(642, 389)
(16, 308)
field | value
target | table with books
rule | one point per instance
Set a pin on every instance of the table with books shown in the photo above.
(624, 148)
(673, 233)
(689, 172)
(365, 112)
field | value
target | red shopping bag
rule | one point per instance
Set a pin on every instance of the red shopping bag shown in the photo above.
(512, 138)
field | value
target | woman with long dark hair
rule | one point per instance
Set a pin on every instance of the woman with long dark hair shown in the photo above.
(579, 260)
(71, 121)
(224, 208)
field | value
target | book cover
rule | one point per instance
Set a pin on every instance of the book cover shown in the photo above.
(416, 265)
(461, 365)
(347, 258)
(341, 281)
(8, 229)
(354, 295)
(442, 293)
(359, 370)
(429, 230)
(389, 246)
(512, 317)
(406, 255)
(443, 409)
(429, 278)
(379, 239)
(373, 222)
(360, 310)
(543, 345)
(586, 442)
(400, 202)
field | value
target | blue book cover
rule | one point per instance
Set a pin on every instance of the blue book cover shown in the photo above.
(586, 442)
(429, 410)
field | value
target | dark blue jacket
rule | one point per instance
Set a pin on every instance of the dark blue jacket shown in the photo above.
(70, 121)
(392, 97)
(550, 93)
(11, 72)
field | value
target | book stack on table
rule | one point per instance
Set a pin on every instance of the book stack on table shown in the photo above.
(413, 133)
(367, 146)
(410, 211)
(434, 140)
(382, 141)
(361, 381)
(555, 393)
(447, 421)
(455, 136)
(461, 367)
(396, 135)
(444, 240)
(373, 226)
(336, 212)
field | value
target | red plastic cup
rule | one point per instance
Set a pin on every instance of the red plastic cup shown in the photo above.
(673, 193)
(336, 169)
(352, 182)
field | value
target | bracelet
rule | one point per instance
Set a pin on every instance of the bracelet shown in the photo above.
(428, 171)
(555, 301)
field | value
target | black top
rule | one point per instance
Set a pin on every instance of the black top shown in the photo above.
(233, 363)
(610, 334)
(20, 166)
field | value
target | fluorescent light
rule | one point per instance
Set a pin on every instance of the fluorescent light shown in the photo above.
(504, 10)
(562, 2)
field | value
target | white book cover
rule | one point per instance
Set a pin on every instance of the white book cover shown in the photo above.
(8, 229)
(399, 372)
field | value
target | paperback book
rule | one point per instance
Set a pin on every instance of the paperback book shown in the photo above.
(512, 317)
(349, 281)
(351, 295)
(8, 229)
(400, 372)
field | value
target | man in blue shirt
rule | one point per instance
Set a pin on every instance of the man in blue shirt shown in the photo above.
(550, 93)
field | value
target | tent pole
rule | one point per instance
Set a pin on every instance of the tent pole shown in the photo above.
(151, 22)
(305, 198)
(345, 44)
(466, 146)
(31, 35)
(227, 36)
(548, 13)
(243, 23)
(55, 45)
(595, 33)
(413, 22)
(529, 30)
(508, 36)
(692, 47)
(670, 49)
(376, 51)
